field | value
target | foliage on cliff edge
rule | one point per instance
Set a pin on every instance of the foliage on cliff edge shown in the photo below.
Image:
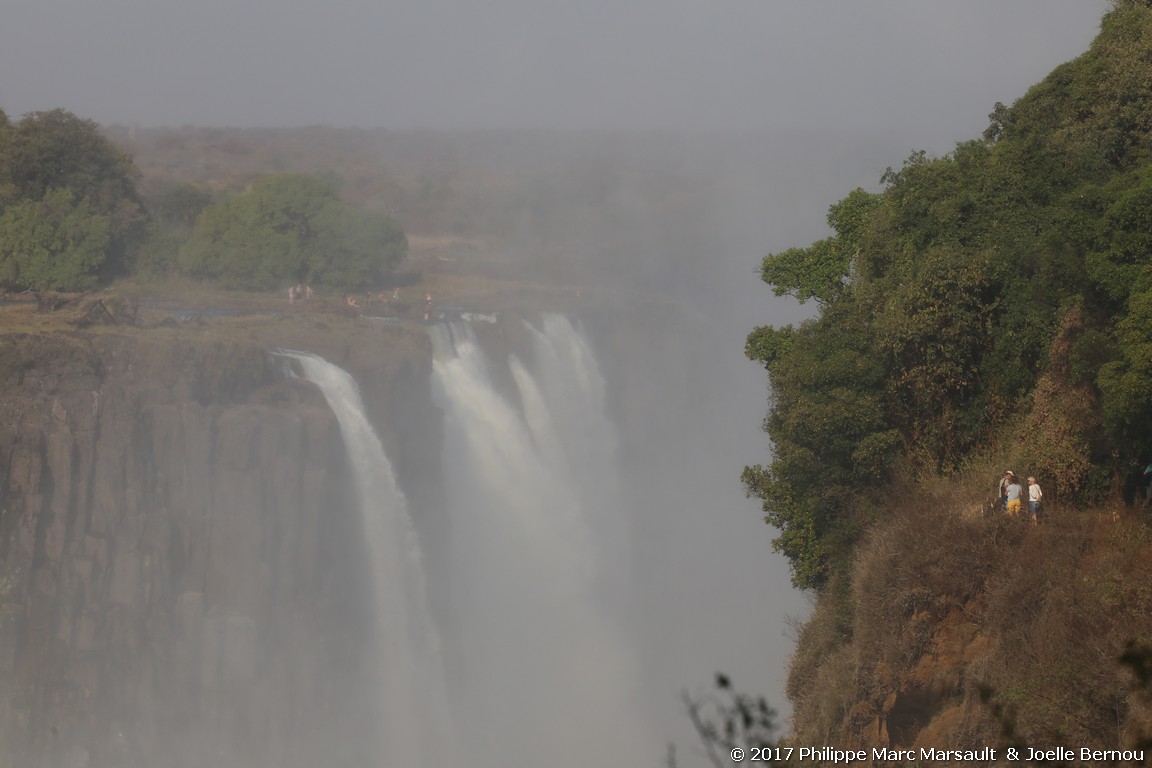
(955, 617)
(994, 301)
(70, 216)
(292, 228)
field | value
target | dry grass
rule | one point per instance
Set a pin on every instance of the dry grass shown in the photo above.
(945, 601)
(817, 676)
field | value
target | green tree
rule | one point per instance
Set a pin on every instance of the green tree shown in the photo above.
(355, 249)
(829, 436)
(175, 209)
(292, 228)
(945, 303)
(7, 190)
(179, 205)
(821, 270)
(53, 159)
(1126, 383)
(56, 243)
(1120, 261)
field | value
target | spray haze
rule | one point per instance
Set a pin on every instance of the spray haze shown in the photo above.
(545, 667)
(893, 65)
(589, 551)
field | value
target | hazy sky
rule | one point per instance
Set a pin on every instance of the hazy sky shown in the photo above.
(913, 66)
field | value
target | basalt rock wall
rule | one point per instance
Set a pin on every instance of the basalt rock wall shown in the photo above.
(181, 578)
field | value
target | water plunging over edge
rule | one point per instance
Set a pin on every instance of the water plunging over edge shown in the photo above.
(529, 477)
(416, 725)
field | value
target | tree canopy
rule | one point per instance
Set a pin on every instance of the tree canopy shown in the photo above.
(974, 294)
(70, 215)
(71, 218)
(292, 228)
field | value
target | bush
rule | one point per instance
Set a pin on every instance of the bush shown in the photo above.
(70, 216)
(57, 243)
(292, 229)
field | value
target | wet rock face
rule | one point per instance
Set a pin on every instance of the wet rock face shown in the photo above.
(179, 572)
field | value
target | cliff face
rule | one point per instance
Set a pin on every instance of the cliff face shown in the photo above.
(179, 559)
(956, 624)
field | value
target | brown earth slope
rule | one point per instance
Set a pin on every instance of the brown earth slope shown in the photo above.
(957, 624)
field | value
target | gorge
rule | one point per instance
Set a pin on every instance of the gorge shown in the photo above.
(408, 545)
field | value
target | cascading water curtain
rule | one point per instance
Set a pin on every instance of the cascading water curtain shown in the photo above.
(415, 727)
(546, 669)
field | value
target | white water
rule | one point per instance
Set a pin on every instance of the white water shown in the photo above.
(544, 669)
(415, 727)
(547, 675)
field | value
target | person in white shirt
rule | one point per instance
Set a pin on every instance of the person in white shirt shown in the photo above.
(1034, 497)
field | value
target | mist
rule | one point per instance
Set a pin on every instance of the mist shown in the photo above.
(646, 154)
(897, 66)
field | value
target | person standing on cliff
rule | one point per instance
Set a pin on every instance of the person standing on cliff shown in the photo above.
(1013, 492)
(1003, 490)
(1034, 497)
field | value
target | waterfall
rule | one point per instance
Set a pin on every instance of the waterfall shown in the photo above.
(414, 721)
(542, 669)
(546, 674)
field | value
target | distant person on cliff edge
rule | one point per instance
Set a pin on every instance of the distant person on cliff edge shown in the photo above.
(1034, 497)
(1007, 478)
(1013, 492)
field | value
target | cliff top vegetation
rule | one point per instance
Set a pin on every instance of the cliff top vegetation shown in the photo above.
(988, 307)
(71, 218)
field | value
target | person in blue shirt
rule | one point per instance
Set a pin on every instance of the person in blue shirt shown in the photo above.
(1013, 491)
